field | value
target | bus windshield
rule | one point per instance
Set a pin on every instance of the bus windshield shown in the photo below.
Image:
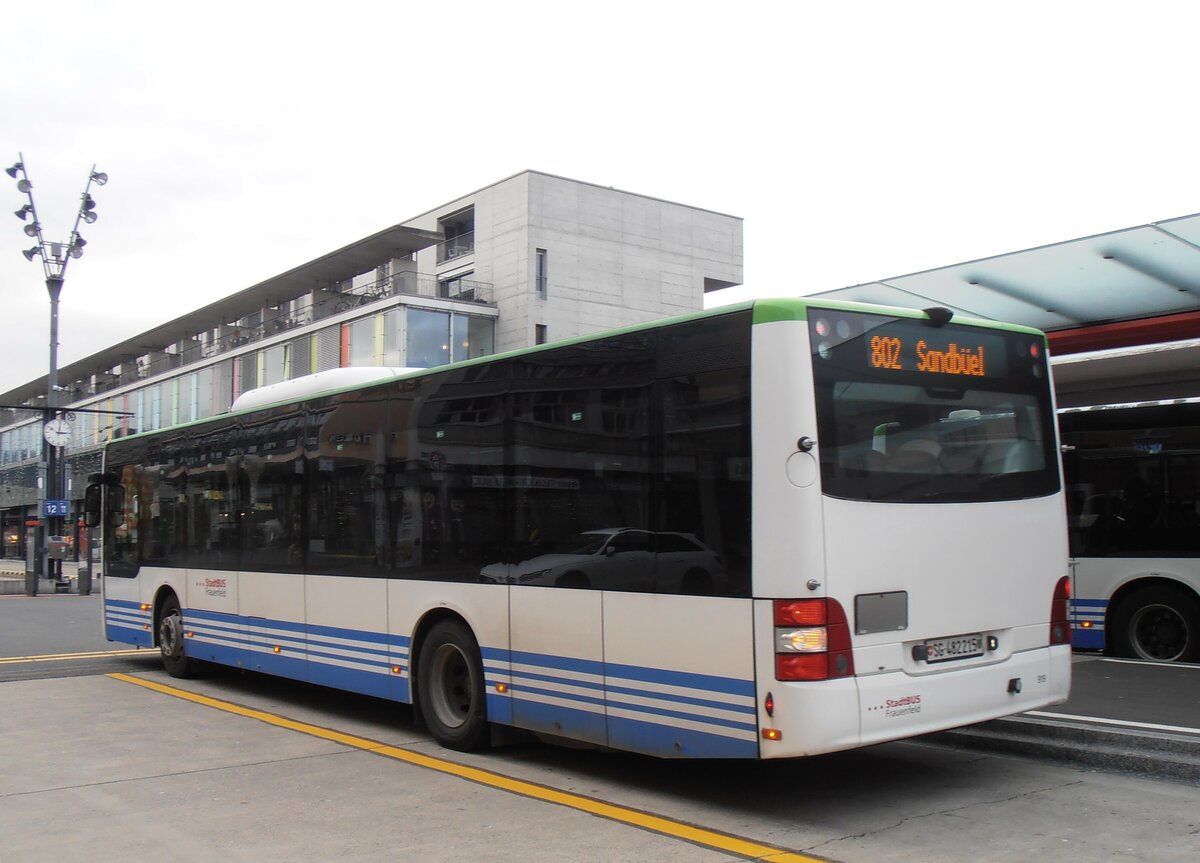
(909, 412)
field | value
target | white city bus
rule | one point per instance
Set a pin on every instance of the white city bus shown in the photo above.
(1133, 482)
(763, 531)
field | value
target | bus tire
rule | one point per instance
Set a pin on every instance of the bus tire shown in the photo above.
(450, 687)
(171, 640)
(1158, 623)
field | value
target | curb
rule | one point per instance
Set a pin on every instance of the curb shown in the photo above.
(1149, 753)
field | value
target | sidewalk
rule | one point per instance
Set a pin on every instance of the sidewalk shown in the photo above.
(12, 578)
(1139, 717)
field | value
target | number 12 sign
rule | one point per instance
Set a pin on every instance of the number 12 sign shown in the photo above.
(56, 508)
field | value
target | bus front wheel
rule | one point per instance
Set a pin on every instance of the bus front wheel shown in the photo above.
(1156, 623)
(450, 687)
(170, 640)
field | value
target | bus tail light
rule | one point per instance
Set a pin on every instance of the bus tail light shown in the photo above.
(1060, 625)
(812, 640)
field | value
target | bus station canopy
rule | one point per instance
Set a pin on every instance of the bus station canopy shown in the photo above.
(1151, 271)
(1121, 310)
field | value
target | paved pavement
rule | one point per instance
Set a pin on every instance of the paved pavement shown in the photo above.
(1132, 716)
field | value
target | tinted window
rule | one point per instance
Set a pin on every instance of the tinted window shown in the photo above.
(1133, 481)
(620, 463)
(908, 412)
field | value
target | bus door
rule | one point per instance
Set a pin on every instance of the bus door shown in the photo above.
(557, 656)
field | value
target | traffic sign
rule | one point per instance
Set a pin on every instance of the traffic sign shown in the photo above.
(56, 508)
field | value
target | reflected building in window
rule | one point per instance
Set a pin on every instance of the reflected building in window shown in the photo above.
(485, 273)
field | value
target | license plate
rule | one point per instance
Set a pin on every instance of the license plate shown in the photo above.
(955, 647)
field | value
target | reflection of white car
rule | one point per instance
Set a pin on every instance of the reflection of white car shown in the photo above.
(620, 559)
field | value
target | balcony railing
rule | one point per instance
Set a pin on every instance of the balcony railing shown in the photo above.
(401, 284)
(456, 247)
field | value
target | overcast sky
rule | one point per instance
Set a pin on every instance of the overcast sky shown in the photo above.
(857, 140)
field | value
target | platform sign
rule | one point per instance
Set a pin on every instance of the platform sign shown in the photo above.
(56, 508)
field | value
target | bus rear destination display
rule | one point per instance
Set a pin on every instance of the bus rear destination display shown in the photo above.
(883, 344)
(894, 352)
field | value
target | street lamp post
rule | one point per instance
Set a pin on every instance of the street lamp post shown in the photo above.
(55, 431)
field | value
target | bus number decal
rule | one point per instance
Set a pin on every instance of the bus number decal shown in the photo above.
(885, 352)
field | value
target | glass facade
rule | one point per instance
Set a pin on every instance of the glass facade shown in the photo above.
(433, 338)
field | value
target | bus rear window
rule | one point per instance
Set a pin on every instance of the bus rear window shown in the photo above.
(909, 412)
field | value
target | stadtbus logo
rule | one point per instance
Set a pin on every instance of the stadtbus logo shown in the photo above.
(213, 586)
(905, 706)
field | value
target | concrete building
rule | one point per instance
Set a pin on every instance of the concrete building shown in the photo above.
(529, 259)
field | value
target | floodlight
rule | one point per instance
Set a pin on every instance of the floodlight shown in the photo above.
(30, 254)
(24, 212)
(99, 178)
(12, 172)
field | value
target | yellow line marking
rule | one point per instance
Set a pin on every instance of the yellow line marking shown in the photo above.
(59, 657)
(654, 823)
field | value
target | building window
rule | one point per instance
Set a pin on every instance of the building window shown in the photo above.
(459, 229)
(273, 362)
(473, 337)
(362, 342)
(539, 283)
(539, 334)
(428, 342)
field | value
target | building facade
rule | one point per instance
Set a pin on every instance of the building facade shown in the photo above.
(530, 259)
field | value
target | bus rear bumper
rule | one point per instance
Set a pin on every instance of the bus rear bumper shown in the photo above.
(900, 705)
(877, 708)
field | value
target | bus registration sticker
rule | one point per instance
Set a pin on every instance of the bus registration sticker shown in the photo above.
(955, 647)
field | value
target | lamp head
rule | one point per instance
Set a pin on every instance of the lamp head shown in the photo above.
(24, 212)
(12, 172)
(98, 177)
(30, 254)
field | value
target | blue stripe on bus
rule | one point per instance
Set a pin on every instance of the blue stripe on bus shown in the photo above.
(669, 741)
(123, 603)
(679, 714)
(660, 676)
(558, 693)
(1088, 639)
(684, 699)
(559, 663)
(683, 679)
(1093, 611)
(311, 653)
(127, 622)
(561, 721)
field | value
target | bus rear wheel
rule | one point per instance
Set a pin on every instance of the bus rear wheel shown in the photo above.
(171, 638)
(1161, 624)
(450, 687)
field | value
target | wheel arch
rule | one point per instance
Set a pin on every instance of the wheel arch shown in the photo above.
(160, 599)
(1141, 582)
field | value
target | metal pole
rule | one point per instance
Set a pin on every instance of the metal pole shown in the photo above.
(54, 285)
(55, 257)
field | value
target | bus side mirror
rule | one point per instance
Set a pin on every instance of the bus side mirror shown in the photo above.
(91, 506)
(102, 497)
(114, 504)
